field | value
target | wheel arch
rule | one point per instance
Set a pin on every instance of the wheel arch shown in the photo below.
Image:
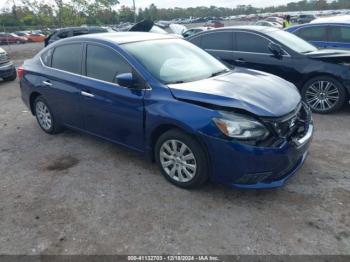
(162, 128)
(34, 95)
(316, 74)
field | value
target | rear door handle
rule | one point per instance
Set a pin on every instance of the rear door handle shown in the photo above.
(83, 93)
(240, 60)
(47, 83)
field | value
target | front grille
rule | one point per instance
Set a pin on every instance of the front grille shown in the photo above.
(291, 126)
(3, 58)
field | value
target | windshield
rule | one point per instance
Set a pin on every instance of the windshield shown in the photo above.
(292, 41)
(175, 60)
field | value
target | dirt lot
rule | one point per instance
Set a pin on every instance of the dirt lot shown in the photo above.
(74, 194)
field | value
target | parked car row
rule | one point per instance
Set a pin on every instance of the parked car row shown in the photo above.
(7, 67)
(10, 38)
(62, 33)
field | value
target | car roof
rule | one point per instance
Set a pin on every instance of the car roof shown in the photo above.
(124, 37)
(345, 19)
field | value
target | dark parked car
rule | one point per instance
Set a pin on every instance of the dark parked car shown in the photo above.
(74, 31)
(182, 107)
(7, 38)
(7, 68)
(324, 35)
(322, 76)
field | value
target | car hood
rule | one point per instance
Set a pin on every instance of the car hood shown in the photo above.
(260, 93)
(330, 54)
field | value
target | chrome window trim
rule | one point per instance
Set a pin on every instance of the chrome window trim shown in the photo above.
(236, 51)
(148, 87)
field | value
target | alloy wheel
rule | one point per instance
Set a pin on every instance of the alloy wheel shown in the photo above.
(178, 161)
(43, 115)
(322, 95)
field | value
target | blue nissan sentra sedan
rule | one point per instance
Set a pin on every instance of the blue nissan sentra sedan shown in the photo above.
(167, 98)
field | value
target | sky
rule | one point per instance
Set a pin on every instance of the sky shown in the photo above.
(193, 3)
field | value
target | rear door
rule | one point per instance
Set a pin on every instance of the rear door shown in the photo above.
(110, 110)
(251, 51)
(218, 44)
(339, 36)
(60, 82)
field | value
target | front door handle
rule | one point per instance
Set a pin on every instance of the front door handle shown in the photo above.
(47, 83)
(83, 93)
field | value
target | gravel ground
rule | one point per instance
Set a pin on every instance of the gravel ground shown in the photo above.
(75, 194)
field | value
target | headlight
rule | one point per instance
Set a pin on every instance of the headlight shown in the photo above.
(241, 127)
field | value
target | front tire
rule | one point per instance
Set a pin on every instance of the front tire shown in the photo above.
(181, 159)
(45, 117)
(324, 94)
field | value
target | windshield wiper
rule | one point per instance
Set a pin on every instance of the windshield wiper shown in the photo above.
(306, 52)
(175, 82)
(219, 72)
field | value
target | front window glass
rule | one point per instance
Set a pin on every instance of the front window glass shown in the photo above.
(175, 60)
(292, 41)
(104, 64)
(252, 43)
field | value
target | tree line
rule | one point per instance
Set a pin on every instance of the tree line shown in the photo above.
(58, 13)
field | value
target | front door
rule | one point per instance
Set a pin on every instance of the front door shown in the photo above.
(111, 111)
(251, 51)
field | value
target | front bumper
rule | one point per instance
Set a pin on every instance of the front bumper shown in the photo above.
(7, 69)
(244, 166)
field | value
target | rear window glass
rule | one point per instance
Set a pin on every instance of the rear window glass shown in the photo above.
(218, 41)
(340, 34)
(68, 58)
(46, 57)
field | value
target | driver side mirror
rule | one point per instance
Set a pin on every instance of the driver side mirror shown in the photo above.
(276, 49)
(125, 80)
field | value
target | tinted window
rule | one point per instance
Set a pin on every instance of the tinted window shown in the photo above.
(68, 58)
(253, 43)
(219, 41)
(63, 34)
(314, 33)
(104, 64)
(97, 30)
(340, 34)
(46, 57)
(196, 40)
(80, 32)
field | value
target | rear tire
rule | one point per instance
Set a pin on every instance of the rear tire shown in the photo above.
(324, 94)
(45, 117)
(181, 159)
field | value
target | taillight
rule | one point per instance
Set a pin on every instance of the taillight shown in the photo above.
(20, 72)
